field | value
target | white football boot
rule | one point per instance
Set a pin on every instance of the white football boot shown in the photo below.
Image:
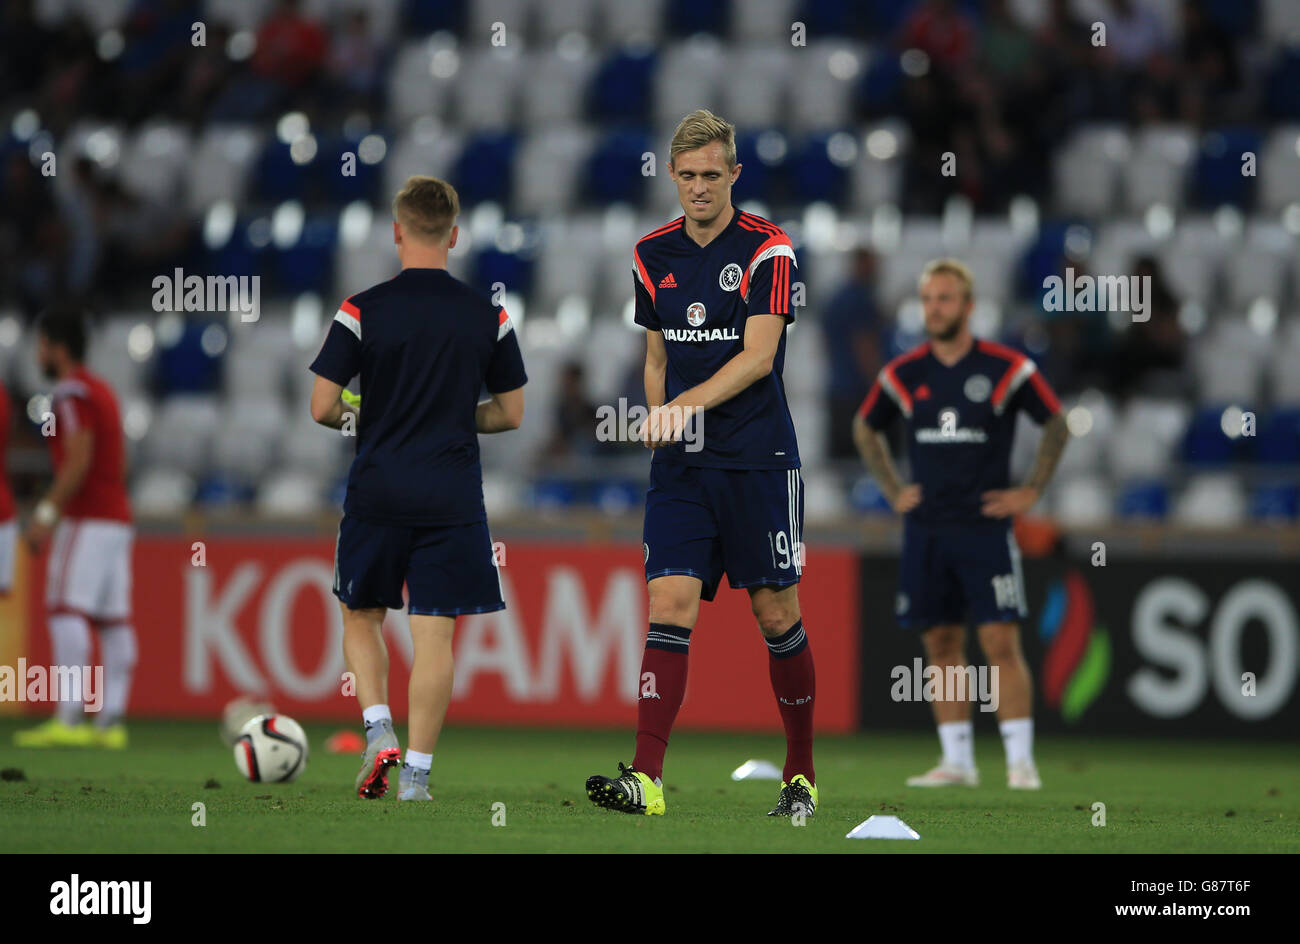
(946, 775)
(1023, 776)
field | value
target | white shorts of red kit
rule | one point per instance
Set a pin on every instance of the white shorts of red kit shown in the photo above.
(90, 570)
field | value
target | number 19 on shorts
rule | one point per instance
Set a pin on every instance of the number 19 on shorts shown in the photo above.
(786, 553)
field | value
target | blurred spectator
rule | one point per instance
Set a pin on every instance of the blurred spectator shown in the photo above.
(158, 45)
(1135, 33)
(1211, 74)
(290, 54)
(26, 47)
(942, 31)
(573, 433)
(1152, 357)
(209, 69)
(77, 200)
(354, 60)
(1006, 47)
(851, 333)
(290, 47)
(33, 239)
(939, 122)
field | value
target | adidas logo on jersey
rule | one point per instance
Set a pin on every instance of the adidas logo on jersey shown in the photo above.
(668, 281)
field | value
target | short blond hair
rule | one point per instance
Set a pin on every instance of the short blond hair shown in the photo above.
(954, 267)
(699, 128)
(428, 207)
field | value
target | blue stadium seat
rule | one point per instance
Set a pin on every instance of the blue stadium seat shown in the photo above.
(185, 367)
(619, 497)
(484, 169)
(421, 17)
(834, 18)
(1278, 442)
(308, 265)
(613, 171)
(1205, 443)
(765, 180)
(816, 176)
(687, 17)
(221, 490)
(620, 89)
(1043, 258)
(278, 178)
(885, 17)
(1144, 500)
(1236, 17)
(1216, 176)
(878, 91)
(239, 256)
(557, 494)
(338, 188)
(1282, 85)
(1277, 503)
(514, 270)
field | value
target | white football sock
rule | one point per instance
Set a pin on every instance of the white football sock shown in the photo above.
(70, 645)
(957, 738)
(377, 713)
(117, 645)
(1018, 739)
(418, 761)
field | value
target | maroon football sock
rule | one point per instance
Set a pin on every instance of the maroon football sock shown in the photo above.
(790, 665)
(662, 687)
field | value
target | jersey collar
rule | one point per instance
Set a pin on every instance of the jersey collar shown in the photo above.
(726, 230)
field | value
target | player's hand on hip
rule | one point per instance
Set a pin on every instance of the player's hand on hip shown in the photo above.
(1003, 503)
(907, 499)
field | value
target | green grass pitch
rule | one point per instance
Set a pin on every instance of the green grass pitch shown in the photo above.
(1160, 796)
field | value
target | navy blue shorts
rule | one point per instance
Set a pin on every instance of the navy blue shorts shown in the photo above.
(952, 574)
(747, 523)
(447, 570)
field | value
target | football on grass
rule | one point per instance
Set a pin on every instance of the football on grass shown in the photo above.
(271, 749)
(239, 712)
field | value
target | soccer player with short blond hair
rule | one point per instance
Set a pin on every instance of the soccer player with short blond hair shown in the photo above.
(424, 344)
(714, 291)
(958, 397)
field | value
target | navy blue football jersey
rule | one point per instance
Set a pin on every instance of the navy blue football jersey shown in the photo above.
(960, 421)
(425, 345)
(698, 297)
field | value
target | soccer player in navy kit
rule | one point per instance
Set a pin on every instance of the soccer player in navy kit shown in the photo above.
(425, 345)
(713, 291)
(958, 397)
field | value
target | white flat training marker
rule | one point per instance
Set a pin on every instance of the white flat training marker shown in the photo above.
(883, 827)
(756, 770)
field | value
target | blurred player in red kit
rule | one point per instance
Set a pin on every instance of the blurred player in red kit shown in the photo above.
(86, 512)
(8, 523)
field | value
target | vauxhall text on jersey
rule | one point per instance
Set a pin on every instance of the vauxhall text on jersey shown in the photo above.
(960, 421)
(425, 345)
(699, 298)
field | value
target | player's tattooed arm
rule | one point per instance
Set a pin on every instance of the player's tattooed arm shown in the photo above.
(1004, 503)
(1056, 433)
(874, 450)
